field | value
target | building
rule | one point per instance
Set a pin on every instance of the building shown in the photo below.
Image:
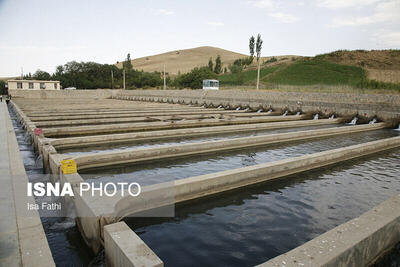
(210, 84)
(33, 85)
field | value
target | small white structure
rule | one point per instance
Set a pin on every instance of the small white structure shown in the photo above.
(33, 85)
(210, 84)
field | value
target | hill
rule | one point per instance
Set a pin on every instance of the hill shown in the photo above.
(380, 65)
(184, 60)
(356, 69)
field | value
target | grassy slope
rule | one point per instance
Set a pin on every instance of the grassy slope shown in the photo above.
(380, 65)
(245, 77)
(309, 72)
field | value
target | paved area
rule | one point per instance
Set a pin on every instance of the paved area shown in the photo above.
(9, 244)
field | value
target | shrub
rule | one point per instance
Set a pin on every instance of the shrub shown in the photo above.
(194, 79)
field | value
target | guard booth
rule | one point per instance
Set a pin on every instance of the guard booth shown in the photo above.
(210, 84)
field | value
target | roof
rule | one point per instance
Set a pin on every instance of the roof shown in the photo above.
(38, 81)
(211, 80)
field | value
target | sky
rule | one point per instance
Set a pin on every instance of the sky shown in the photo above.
(42, 34)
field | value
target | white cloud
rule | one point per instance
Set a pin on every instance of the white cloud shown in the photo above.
(215, 23)
(270, 4)
(164, 12)
(283, 17)
(388, 11)
(274, 8)
(345, 3)
(387, 39)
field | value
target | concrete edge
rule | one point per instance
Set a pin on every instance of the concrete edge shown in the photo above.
(355, 243)
(200, 148)
(124, 248)
(29, 224)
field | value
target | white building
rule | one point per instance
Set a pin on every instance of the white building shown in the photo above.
(33, 85)
(210, 84)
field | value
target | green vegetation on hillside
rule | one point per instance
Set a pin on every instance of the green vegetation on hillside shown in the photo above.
(308, 72)
(194, 79)
(244, 77)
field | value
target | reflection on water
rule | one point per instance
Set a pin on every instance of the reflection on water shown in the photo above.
(156, 172)
(249, 226)
(184, 140)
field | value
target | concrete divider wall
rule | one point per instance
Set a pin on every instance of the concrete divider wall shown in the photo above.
(355, 243)
(191, 149)
(63, 94)
(386, 107)
(124, 248)
(111, 210)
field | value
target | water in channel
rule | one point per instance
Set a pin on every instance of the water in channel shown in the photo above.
(65, 241)
(249, 226)
(163, 171)
(184, 140)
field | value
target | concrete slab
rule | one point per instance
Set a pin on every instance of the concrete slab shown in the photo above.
(25, 226)
(354, 243)
(124, 248)
(200, 148)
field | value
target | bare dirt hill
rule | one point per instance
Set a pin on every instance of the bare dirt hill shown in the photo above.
(381, 65)
(184, 60)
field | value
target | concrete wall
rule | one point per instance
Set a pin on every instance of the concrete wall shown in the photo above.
(61, 94)
(124, 248)
(49, 85)
(355, 243)
(386, 107)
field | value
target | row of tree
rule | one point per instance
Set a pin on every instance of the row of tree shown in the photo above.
(218, 65)
(91, 75)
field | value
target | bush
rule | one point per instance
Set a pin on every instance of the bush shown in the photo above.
(374, 84)
(3, 89)
(194, 79)
(271, 60)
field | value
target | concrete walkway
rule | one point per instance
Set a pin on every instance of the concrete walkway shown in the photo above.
(9, 243)
(22, 238)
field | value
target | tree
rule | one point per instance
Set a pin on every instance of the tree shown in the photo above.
(251, 48)
(194, 79)
(258, 52)
(218, 65)
(210, 64)
(127, 64)
(41, 75)
(3, 89)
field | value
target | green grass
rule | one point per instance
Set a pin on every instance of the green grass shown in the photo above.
(308, 72)
(245, 77)
(311, 72)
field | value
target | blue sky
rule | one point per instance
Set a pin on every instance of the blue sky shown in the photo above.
(41, 34)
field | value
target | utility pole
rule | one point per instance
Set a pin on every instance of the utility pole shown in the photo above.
(22, 73)
(258, 74)
(258, 51)
(165, 84)
(123, 72)
(112, 79)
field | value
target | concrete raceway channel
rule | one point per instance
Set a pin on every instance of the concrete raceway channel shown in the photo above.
(85, 123)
